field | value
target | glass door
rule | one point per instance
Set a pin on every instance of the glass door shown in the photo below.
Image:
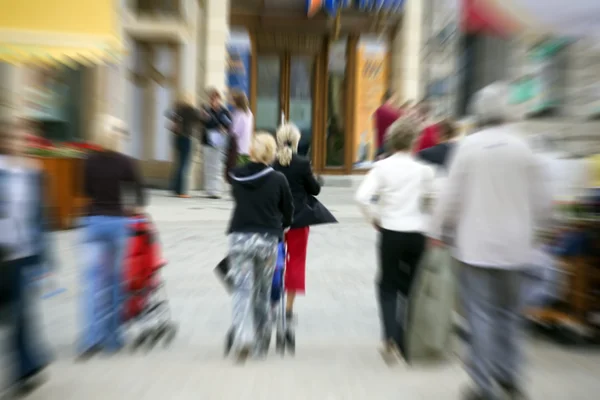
(284, 93)
(268, 93)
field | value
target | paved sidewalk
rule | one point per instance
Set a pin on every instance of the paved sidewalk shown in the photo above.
(337, 333)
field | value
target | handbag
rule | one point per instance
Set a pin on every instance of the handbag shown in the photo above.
(222, 271)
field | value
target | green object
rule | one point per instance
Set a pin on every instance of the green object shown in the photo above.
(243, 159)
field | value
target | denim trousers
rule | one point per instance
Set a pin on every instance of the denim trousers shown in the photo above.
(183, 147)
(104, 241)
(25, 344)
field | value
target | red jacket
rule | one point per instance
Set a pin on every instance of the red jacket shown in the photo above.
(429, 138)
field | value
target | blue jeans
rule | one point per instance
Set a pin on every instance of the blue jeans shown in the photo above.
(183, 147)
(29, 356)
(104, 242)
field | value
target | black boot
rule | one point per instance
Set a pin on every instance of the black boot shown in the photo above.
(513, 392)
(229, 341)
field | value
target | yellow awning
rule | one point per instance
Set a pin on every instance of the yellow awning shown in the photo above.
(59, 31)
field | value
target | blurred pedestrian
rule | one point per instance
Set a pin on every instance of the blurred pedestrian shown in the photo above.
(401, 184)
(24, 254)
(242, 126)
(183, 118)
(217, 123)
(430, 134)
(494, 198)
(384, 117)
(263, 210)
(113, 184)
(307, 211)
(439, 154)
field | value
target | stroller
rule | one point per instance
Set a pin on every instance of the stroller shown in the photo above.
(146, 305)
(284, 336)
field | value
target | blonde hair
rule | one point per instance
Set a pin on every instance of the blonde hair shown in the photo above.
(107, 132)
(263, 148)
(401, 135)
(185, 99)
(288, 137)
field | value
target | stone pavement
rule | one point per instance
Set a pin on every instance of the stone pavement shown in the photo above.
(337, 333)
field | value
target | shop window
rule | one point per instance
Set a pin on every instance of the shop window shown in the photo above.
(336, 105)
(371, 83)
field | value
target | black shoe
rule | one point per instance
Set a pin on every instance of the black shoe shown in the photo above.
(472, 394)
(243, 355)
(290, 342)
(512, 391)
(229, 341)
(89, 353)
(29, 383)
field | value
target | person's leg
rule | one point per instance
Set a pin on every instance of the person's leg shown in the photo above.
(29, 359)
(176, 179)
(479, 286)
(184, 162)
(117, 245)
(210, 170)
(264, 267)
(508, 331)
(242, 274)
(387, 291)
(93, 279)
(295, 273)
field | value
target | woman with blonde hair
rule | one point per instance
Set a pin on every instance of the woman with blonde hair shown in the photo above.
(108, 176)
(263, 210)
(401, 184)
(307, 211)
(184, 117)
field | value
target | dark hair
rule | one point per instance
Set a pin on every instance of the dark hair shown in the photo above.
(448, 129)
(240, 100)
(388, 95)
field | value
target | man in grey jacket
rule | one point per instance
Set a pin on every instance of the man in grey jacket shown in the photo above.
(493, 200)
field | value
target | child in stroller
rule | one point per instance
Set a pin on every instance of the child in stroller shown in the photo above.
(284, 336)
(146, 303)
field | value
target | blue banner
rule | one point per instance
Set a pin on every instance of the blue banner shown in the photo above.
(331, 7)
(238, 68)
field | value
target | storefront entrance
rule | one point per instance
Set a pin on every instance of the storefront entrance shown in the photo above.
(328, 81)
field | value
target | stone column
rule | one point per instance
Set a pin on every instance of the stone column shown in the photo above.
(408, 64)
(213, 33)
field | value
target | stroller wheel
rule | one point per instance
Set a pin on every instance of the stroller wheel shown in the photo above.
(290, 342)
(280, 345)
(229, 342)
(140, 340)
(170, 334)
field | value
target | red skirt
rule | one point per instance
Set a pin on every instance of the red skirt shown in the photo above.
(295, 269)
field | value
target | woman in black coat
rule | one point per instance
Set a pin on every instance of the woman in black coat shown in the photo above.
(307, 210)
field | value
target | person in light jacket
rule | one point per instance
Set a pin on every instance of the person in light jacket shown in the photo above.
(242, 126)
(400, 183)
(24, 253)
(492, 201)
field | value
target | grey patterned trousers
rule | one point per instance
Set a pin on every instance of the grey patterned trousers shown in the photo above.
(214, 168)
(252, 260)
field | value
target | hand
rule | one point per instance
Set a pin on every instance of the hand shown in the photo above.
(377, 225)
(436, 243)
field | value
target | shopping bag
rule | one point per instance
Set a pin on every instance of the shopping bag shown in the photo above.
(222, 272)
(431, 303)
(277, 284)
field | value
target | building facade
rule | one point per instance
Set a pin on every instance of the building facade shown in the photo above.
(554, 82)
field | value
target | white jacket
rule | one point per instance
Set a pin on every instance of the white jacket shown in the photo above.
(400, 184)
(495, 195)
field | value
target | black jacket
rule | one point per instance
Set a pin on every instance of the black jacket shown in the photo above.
(263, 201)
(304, 186)
(217, 119)
(438, 155)
(186, 117)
